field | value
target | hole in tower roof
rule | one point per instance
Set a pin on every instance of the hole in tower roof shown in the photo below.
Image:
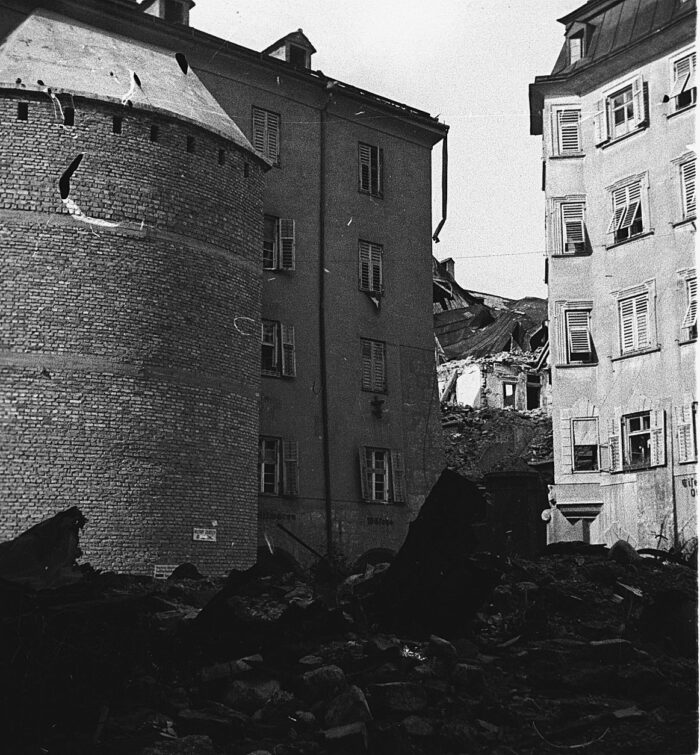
(182, 62)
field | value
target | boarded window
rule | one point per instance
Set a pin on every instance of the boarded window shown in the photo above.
(371, 177)
(266, 134)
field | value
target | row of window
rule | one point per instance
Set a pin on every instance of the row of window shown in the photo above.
(382, 474)
(279, 253)
(635, 441)
(370, 158)
(278, 356)
(635, 323)
(629, 211)
(624, 110)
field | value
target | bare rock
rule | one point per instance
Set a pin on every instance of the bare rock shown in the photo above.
(348, 707)
(468, 676)
(415, 726)
(323, 682)
(192, 745)
(402, 697)
(250, 694)
(623, 553)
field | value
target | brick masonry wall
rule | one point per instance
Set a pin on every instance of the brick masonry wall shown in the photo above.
(129, 356)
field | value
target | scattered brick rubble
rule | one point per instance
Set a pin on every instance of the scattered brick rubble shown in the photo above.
(581, 645)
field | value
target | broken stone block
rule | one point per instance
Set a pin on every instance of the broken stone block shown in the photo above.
(623, 553)
(323, 682)
(194, 744)
(358, 731)
(403, 697)
(304, 717)
(311, 660)
(250, 694)
(214, 720)
(225, 670)
(348, 707)
(442, 649)
(415, 726)
(468, 676)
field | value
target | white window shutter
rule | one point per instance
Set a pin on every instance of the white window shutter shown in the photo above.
(691, 314)
(364, 481)
(688, 188)
(658, 437)
(398, 477)
(578, 332)
(615, 443)
(376, 264)
(573, 229)
(569, 131)
(555, 225)
(683, 416)
(642, 321)
(567, 451)
(289, 362)
(287, 243)
(290, 468)
(638, 99)
(273, 137)
(600, 122)
(366, 365)
(627, 326)
(365, 273)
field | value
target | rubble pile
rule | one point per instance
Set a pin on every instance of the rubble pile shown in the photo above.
(478, 441)
(582, 646)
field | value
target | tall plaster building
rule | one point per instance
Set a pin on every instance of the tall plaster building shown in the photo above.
(617, 120)
(332, 431)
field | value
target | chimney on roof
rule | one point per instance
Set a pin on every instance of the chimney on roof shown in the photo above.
(294, 48)
(448, 266)
(172, 11)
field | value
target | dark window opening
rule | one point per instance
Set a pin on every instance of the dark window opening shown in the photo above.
(533, 396)
(297, 56)
(117, 124)
(173, 12)
(68, 116)
(246, 170)
(22, 111)
(585, 438)
(633, 229)
(155, 133)
(637, 448)
(686, 98)
(222, 156)
(190, 144)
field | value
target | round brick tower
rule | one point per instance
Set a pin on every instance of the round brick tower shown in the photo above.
(130, 236)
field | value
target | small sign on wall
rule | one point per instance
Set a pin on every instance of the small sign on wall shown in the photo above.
(204, 534)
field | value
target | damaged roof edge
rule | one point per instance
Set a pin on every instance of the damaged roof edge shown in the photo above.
(190, 35)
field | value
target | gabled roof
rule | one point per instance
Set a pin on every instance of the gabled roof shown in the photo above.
(295, 38)
(49, 51)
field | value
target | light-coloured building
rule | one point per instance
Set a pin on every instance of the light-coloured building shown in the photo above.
(617, 119)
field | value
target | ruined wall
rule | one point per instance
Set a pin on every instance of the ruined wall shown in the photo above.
(129, 355)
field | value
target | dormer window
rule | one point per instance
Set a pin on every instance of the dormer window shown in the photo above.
(294, 49)
(576, 51)
(171, 11)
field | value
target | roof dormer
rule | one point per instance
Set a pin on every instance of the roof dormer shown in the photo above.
(172, 11)
(295, 48)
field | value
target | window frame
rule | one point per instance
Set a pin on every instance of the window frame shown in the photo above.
(563, 130)
(281, 345)
(603, 121)
(285, 467)
(630, 311)
(574, 446)
(370, 158)
(689, 323)
(283, 237)
(628, 435)
(628, 212)
(687, 170)
(574, 334)
(261, 139)
(393, 472)
(276, 464)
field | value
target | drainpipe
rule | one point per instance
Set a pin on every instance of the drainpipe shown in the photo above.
(322, 326)
(436, 235)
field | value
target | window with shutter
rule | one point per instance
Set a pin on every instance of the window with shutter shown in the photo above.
(585, 444)
(270, 236)
(634, 323)
(398, 477)
(382, 474)
(270, 347)
(686, 437)
(373, 365)
(683, 91)
(287, 243)
(626, 220)
(688, 188)
(371, 277)
(689, 326)
(615, 443)
(290, 457)
(269, 466)
(578, 334)
(370, 159)
(289, 363)
(569, 131)
(266, 133)
(573, 227)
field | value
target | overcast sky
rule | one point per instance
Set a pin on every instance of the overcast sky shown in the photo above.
(468, 61)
